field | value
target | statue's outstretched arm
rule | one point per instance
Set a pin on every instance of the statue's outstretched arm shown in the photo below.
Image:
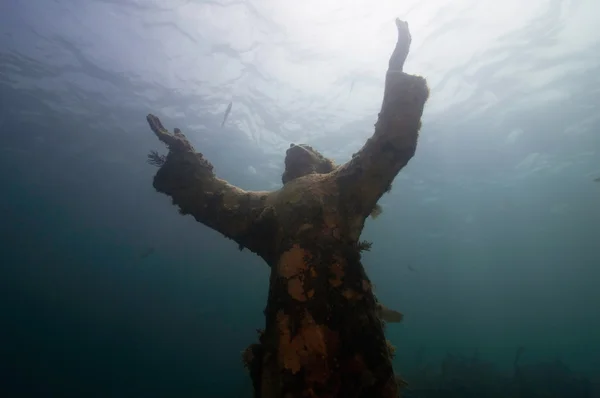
(188, 178)
(370, 172)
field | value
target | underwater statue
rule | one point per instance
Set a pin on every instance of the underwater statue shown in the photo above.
(323, 334)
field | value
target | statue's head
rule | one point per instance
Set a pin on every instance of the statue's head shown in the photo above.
(301, 160)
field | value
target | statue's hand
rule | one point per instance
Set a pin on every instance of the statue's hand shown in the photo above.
(175, 140)
(402, 47)
(403, 30)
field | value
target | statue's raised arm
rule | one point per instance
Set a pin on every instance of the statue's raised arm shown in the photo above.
(370, 172)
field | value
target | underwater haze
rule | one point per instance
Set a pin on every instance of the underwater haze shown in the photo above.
(489, 242)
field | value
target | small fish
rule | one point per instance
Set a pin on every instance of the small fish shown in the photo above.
(402, 384)
(227, 113)
(597, 179)
(410, 268)
(146, 253)
(388, 315)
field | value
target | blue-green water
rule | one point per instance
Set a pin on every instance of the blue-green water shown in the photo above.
(488, 241)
